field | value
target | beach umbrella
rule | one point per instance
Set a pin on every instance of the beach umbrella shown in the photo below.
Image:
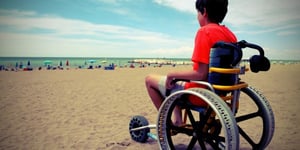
(60, 63)
(28, 63)
(47, 62)
(91, 61)
(67, 63)
(103, 61)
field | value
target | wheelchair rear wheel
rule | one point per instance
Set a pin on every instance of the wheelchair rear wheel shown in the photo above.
(255, 119)
(211, 127)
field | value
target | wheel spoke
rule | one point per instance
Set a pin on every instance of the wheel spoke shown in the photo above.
(191, 118)
(247, 116)
(247, 138)
(218, 139)
(192, 143)
(214, 145)
(196, 131)
(201, 143)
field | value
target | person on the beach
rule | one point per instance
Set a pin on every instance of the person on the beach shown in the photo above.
(210, 14)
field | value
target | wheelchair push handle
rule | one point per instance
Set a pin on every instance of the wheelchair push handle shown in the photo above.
(257, 62)
(245, 44)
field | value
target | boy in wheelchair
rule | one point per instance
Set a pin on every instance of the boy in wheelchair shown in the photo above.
(210, 14)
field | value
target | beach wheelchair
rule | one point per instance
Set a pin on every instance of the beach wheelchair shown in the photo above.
(225, 113)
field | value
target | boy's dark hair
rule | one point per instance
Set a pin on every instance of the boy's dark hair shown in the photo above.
(215, 9)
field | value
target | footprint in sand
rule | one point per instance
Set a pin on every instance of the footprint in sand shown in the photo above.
(118, 143)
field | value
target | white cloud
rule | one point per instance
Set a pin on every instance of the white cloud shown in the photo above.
(80, 36)
(264, 13)
(67, 37)
(281, 30)
(182, 5)
(267, 13)
(68, 27)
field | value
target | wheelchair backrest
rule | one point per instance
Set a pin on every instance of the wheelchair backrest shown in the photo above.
(228, 56)
(224, 55)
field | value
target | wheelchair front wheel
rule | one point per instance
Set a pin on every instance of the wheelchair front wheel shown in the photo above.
(139, 135)
(208, 127)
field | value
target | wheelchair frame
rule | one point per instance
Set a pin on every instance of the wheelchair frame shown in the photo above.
(218, 126)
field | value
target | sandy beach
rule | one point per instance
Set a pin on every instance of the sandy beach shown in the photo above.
(91, 109)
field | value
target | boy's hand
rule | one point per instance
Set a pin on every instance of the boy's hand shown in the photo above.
(169, 82)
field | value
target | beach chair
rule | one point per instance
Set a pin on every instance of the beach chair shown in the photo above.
(226, 114)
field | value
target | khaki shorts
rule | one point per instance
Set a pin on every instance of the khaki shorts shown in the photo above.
(162, 86)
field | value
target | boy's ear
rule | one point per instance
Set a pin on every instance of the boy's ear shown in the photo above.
(204, 12)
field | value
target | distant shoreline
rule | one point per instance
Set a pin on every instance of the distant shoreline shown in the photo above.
(14, 63)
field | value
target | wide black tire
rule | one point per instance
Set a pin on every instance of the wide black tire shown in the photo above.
(142, 134)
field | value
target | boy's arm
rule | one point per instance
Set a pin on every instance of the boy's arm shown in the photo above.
(197, 74)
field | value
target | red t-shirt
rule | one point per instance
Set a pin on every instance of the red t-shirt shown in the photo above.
(205, 38)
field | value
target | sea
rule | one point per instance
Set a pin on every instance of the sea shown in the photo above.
(82, 62)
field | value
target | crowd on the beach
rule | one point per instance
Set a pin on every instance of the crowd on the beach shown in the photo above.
(111, 66)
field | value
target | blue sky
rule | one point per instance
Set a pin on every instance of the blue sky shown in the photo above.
(139, 28)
